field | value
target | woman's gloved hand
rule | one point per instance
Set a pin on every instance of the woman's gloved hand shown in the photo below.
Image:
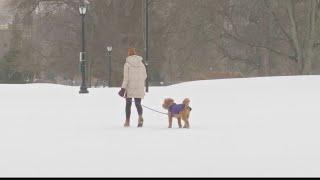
(122, 92)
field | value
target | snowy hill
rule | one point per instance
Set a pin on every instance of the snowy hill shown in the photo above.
(239, 127)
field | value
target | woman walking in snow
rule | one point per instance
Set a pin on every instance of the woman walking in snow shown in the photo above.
(134, 77)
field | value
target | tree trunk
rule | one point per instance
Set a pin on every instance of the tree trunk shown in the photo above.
(309, 54)
(294, 33)
(265, 61)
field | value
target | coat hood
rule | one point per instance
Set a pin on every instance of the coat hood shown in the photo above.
(135, 61)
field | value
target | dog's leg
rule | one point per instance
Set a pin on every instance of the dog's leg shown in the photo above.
(187, 125)
(179, 122)
(184, 116)
(186, 121)
(170, 120)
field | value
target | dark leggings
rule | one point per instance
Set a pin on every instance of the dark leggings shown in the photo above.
(137, 102)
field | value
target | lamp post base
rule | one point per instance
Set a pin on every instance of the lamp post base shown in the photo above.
(83, 90)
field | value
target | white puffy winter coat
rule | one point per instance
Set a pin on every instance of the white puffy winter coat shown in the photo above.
(134, 77)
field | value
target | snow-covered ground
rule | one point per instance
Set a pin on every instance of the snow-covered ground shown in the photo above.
(239, 127)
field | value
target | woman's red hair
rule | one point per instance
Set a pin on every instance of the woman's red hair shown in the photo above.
(132, 51)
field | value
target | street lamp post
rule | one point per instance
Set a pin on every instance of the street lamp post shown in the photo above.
(146, 2)
(109, 49)
(83, 61)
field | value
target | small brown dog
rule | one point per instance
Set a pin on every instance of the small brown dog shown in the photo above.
(179, 111)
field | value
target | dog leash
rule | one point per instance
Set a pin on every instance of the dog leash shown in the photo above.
(154, 110)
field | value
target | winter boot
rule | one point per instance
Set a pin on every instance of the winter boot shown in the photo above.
(140, 122)
(127, 123)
